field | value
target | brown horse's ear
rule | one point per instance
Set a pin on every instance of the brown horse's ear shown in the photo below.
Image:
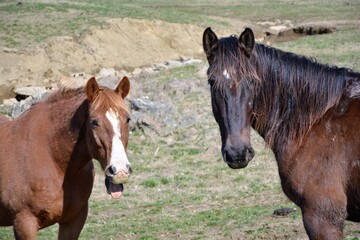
(124, 87)
(92, 89)
(210, 43)
(247, 41)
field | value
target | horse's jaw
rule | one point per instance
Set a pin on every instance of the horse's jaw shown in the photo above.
(115, 190)
(238, 165)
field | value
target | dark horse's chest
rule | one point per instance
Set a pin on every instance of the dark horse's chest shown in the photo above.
(326, 165)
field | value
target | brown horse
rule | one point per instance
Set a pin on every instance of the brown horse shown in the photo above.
(307, 112)
(47, 173)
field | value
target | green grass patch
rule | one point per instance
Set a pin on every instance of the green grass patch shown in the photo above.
(21, 23)
(149, 183)
(340, 48)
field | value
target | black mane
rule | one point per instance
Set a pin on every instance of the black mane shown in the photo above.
(293, 92)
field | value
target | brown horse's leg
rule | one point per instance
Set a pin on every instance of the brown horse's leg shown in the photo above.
(72, 228)
(320, 226)
(25, 226)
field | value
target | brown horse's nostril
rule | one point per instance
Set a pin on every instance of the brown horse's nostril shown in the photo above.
(110, 171)
(129, 168)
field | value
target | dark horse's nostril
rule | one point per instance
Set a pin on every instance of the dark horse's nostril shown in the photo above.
(250, 152)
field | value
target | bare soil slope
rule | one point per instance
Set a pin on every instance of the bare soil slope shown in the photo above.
(124, 44)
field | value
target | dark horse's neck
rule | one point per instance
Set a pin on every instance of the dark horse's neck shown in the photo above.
(294, 92)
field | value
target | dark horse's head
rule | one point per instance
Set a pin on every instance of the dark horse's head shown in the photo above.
(232, 85)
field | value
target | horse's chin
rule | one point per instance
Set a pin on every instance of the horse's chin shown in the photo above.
(238, 165)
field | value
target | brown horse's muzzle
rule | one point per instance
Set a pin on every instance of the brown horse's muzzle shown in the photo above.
(114, 180)
(118, 177)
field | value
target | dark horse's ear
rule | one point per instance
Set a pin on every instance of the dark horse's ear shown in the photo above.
(124, 87)
(247, 41)
(92, 89)
(210, 43)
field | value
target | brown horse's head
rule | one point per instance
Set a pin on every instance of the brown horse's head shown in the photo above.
(232, 92)
(108, 131)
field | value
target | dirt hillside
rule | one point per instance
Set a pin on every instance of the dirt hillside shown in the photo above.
(123, 44)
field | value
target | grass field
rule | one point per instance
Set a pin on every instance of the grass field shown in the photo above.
(180, 188)
(33, 21)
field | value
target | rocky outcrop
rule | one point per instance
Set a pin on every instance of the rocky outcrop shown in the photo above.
(155, 118)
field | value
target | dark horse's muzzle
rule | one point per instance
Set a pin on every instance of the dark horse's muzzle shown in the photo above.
(237, 156)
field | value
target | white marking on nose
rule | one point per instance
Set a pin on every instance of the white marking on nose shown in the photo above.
(226, 74)
(118, 156)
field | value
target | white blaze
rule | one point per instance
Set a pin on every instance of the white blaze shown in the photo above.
(226, 74)
(118, 156)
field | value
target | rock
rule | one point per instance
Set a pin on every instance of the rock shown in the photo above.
(314, 29)
(289, 33)
(175, 63)
(109, 81)
(192, 61)
(143, 105)
(106, 72)
(25, 98)
(7, 106)
(172, 63)
(137, 71)
(141, 121)
(275, 30)
(75, 81)
(284, 211)
(34, 92)
(148, 70)
(159, 67)
(22, 106)
(10, 102)
(161, 113)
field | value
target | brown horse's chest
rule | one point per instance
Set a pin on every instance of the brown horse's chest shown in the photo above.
(49, 194)
(75, 192)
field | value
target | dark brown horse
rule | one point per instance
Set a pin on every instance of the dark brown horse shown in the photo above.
(307, 112)
(47, 173)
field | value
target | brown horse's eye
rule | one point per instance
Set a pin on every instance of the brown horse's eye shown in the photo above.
(128, 119)
(94, 124)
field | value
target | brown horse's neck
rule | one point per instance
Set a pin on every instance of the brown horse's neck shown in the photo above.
(64, 121)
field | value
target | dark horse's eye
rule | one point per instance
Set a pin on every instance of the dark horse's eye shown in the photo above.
(94, 123)
(211, 81)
